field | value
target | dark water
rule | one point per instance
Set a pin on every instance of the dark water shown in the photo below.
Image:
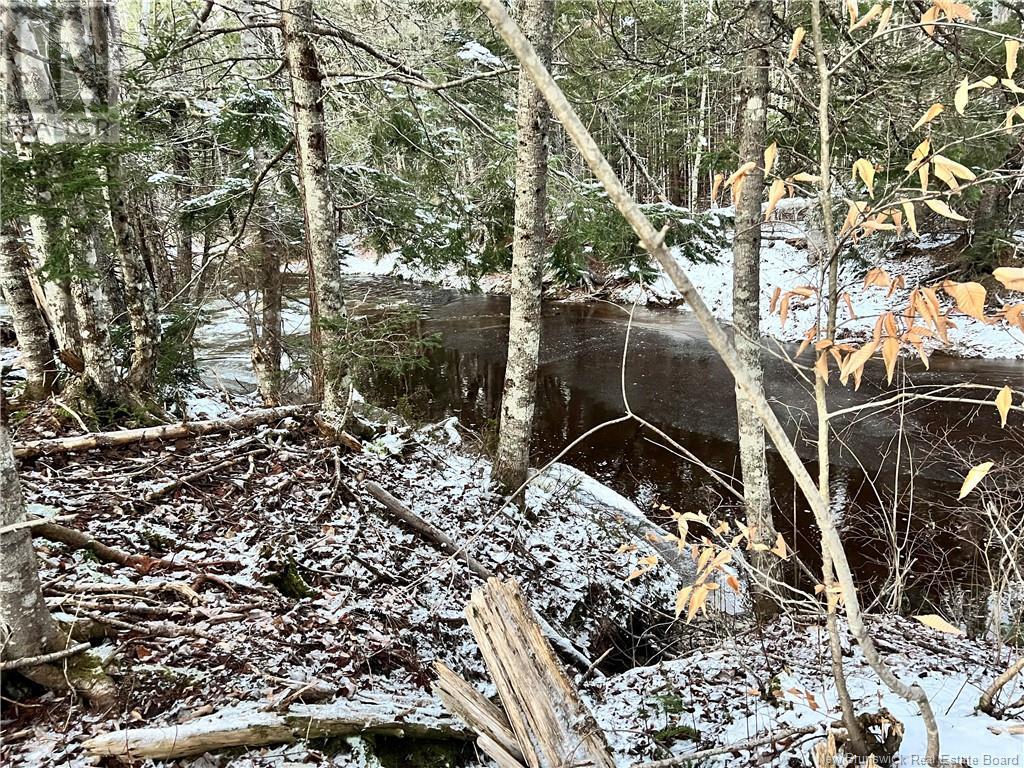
(895, 473)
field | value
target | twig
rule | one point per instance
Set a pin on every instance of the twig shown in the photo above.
(45, 658)
(163, 490)
(34, 522)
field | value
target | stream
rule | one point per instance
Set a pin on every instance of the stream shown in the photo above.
(895, 472)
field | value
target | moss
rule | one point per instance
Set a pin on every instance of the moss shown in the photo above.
(287, 579)
(674, 733)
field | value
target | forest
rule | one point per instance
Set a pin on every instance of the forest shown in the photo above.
(515, 383)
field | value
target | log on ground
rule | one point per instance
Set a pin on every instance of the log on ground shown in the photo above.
(247, 726)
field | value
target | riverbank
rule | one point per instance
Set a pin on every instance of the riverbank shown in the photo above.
(284, 579)
(786, 264)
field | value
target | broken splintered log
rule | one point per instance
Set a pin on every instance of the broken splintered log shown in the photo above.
(550, 724)
(33, 448)
(247, 726)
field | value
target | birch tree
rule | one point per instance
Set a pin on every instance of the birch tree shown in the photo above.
(26, 627)
(746, 309)
(327, 302)
(90, 38)
(33, 338)
(528, 256)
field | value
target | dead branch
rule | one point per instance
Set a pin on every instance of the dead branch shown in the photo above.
(33, 448)
(987, 701)
(728, 748)
(34, 522)
(73, 538)
(433, 535)
(45, 658)
(246, 726)
(178, 482)
(496, 737)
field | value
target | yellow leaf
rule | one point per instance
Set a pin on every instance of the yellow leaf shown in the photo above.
(682, 598)
(908, 211)
(1010, 277)
(1003, 402)
(805, 178)
(732, 582)
(932, 621)
(851, 8)
(649, 560)
(636, 574)
(784, 310)
(1012, 47)
(776, 192)
(876, 276)
(717, 185)
(779, 550)
(922, 173)
(941, 208)
(794, 46)
(1011, 86)
(866, 171)
(961, 96)
(770, 153)
(985, 82)
(975, 476)
(960, 171)
(931, 15)
(821, 366)
(933, 111)
(890, 353)
(970, 297)
(857, 360)
(884, 21)
(740, 172)
(867, 17)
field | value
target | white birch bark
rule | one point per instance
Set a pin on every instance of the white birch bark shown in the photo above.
(90, 38)
(33, 338)
(747, 295)
(529, 249)
(327, 302)
(26, 627)
(31, 106)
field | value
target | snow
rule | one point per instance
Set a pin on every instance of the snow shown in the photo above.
(721, 695)
(480, 54)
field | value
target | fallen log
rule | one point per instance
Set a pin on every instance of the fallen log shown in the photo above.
(551, 724)
(74, 538)
(33, 448)
(448, 546)
(247, 726)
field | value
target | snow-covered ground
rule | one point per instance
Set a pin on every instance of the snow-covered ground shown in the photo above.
(384, 605)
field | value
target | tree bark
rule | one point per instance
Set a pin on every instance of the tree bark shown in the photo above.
(327, 302)
(26, 627)
(529, 249)
(33, 448)
(33, 338)
(746, 301)
(250, 727)
(90, 39)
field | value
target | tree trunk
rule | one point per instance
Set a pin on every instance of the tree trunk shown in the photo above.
(991, 234)
(33, 338)
(31, 104)
(266, 349)
(91, 40)
(529, 248)
(327, 302)
(26, 627)
(747, 298)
